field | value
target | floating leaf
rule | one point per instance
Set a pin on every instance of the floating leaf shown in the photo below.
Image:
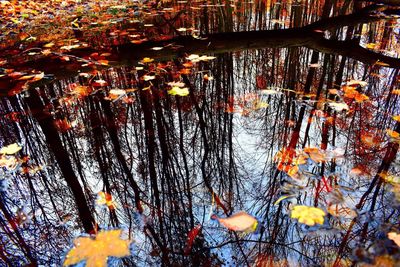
(176, 84)
(261, 82)
(8, 162)
(394, 237)
(338, 106)
(240, 221)
(269, 92)
(103, 62)
(191, 237)
(283, 198)
(63, 125)
(396, 92)
(260, 104)
(104, 198)
(356, 82)
(315, 154)
(315, 65)
(95, 251)
(393, 134)
(396, 118)
(308, 215)
(147, 60)
(148, 77)
(391, 179)
(340, 210)
(10, 149)
(99, 83)
(371, 45)
(117, 92)
(179, 91)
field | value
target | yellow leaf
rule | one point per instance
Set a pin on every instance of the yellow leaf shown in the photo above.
(260, 104)
(147, 60)
(396, 118)
(292, 171)
(393, 134)
(308, 215)
(283, 198)
(383, 64)
(240, 221)
(149, 77)
(361, 97)
(178, 91)
(315, 154)
(38, 77)
(104, 198)
(10, 149)
(391, 179)
(396, 92)
(8, 162)
(48, 45)
(95, 251)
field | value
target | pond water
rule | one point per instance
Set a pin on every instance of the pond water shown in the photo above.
(277, 147)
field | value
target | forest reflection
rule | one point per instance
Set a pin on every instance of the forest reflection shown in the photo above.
(256, 125)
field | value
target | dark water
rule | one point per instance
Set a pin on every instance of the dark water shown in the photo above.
(315, 126)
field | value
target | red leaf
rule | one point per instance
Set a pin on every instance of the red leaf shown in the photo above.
(191, 237)
(220, 204)
(261, 82)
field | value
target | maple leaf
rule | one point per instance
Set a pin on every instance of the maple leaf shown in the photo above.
(240, 221)
(95, 251)
(308, 215)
